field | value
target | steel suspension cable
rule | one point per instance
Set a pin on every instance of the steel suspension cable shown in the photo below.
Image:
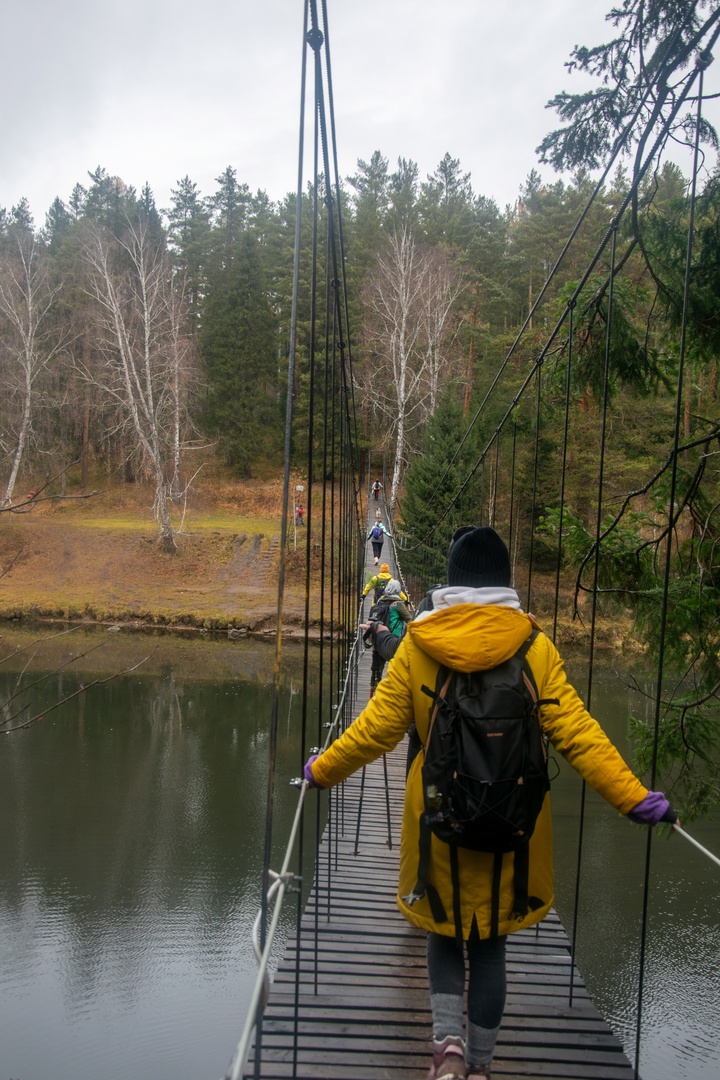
(704, 63)
(344, 327)
(563, 468)
(343, 539)
(596, 571)
(536, 451)
(334, 208)
(310, 473)
(281, 571)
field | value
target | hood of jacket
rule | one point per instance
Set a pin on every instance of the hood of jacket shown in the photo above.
(472, 636)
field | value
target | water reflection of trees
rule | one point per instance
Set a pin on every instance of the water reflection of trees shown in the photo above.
(139, 814)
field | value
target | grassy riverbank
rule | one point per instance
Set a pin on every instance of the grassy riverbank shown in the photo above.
(98, 560)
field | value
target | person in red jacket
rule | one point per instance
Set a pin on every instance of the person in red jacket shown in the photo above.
(476, 623)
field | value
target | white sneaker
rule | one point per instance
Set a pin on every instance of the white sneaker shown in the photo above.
(376, 562)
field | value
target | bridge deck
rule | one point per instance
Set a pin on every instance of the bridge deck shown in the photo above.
(354, 1003)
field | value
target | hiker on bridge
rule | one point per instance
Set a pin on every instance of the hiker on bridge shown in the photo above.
(469, 900)
(378, 582)
(377, 488)
(377, 534)
(393, 612)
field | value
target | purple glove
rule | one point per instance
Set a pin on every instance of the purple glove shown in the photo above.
(308, 774)
(652, 810)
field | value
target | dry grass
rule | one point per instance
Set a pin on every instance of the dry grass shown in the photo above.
(99, 560)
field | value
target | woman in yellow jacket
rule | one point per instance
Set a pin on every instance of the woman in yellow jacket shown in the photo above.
(476, 623)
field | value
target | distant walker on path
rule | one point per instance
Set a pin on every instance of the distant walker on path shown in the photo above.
(377, 534)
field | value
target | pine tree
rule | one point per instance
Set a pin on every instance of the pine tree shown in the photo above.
(640, 73)
(229, 210)
(370, 205)
(189, 241)
(238, 346)
(446, 205)
(432, 480)
(403, 212)
(58, 223)
(150, 215)
(21, 218)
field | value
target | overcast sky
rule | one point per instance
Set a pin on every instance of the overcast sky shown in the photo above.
(154, 90)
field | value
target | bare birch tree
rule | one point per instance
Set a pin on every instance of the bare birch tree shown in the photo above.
(443, 285)
(140, 313)
(396, 359)
(408, 317)
(28, 343)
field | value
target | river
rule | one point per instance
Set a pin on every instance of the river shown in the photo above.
(131, 852)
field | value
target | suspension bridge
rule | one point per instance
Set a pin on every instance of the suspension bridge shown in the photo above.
(349, 996)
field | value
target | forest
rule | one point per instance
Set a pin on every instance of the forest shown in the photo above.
(135, 340)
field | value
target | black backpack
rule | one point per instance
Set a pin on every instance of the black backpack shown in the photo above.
(379, 590)
(485, 773)
(379, 612)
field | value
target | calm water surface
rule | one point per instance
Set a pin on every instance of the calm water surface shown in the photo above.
(681, 995)
(131, 855)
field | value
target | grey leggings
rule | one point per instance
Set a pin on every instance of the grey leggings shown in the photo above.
(487, 981)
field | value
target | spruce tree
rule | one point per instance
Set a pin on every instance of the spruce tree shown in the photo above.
(432, 480)
(238, 346)
(189, 241)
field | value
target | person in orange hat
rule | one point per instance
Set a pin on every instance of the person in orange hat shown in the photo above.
(378, 582)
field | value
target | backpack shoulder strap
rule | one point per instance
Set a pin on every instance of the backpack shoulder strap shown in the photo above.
(444, 678)
(528, 677)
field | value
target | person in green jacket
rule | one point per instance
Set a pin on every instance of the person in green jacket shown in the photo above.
(476, 622)
(398, 614)
(391, 612)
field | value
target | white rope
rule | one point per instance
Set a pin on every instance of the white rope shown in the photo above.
(280, 884)
(704, 850)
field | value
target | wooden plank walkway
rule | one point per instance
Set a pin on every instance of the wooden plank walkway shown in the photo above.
(350, 998)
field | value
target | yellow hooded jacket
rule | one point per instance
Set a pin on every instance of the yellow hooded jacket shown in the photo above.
(474, 637)
(376, 579)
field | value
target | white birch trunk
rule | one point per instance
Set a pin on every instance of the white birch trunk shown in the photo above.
(394, 385)
(25, 302)
(142, 345)
(20, 448)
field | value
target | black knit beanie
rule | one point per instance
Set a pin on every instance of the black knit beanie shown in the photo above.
(479, 558)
